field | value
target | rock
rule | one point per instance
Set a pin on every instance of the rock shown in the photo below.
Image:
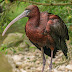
(22, 70)
(37, 62)
(55, 70)
(23, 45)
(4, 64)
(27, 40)
(69, 67)
(16, 58)
(27, 65)
(62, 67)
(26, 43)
(16, 70)
(13, 39)
(19, 65)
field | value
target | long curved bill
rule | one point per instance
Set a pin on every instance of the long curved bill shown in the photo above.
(24, 14)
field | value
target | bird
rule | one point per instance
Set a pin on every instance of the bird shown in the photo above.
(46, 31)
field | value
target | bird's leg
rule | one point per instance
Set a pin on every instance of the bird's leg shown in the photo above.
(44, 60)
(50, 66)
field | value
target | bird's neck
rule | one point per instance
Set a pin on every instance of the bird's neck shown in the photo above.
(32, 26)
(34, 21)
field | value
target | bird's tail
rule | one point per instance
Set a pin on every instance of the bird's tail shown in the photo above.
(64, 47)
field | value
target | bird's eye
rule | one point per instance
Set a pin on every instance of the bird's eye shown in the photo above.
(28, 11)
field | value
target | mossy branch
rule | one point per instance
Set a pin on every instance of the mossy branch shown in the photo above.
(46, 4)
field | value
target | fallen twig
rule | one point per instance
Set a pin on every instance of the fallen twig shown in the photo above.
(46, 4)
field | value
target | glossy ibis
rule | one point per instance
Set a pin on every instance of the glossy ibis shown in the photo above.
(46, 31)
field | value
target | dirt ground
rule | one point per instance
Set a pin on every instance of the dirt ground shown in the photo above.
(30, 60)
(25, 57)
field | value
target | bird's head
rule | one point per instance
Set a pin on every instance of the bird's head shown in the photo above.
(30, 11)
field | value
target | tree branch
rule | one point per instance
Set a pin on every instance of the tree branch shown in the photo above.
(46, 4)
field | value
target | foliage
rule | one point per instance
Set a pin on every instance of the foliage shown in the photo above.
(4, 49)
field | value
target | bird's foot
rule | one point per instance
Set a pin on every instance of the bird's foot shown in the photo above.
(50, 70)
(42, 71)
(43, 68)
(50, 67)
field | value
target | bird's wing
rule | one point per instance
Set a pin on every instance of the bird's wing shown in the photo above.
(56, 25)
